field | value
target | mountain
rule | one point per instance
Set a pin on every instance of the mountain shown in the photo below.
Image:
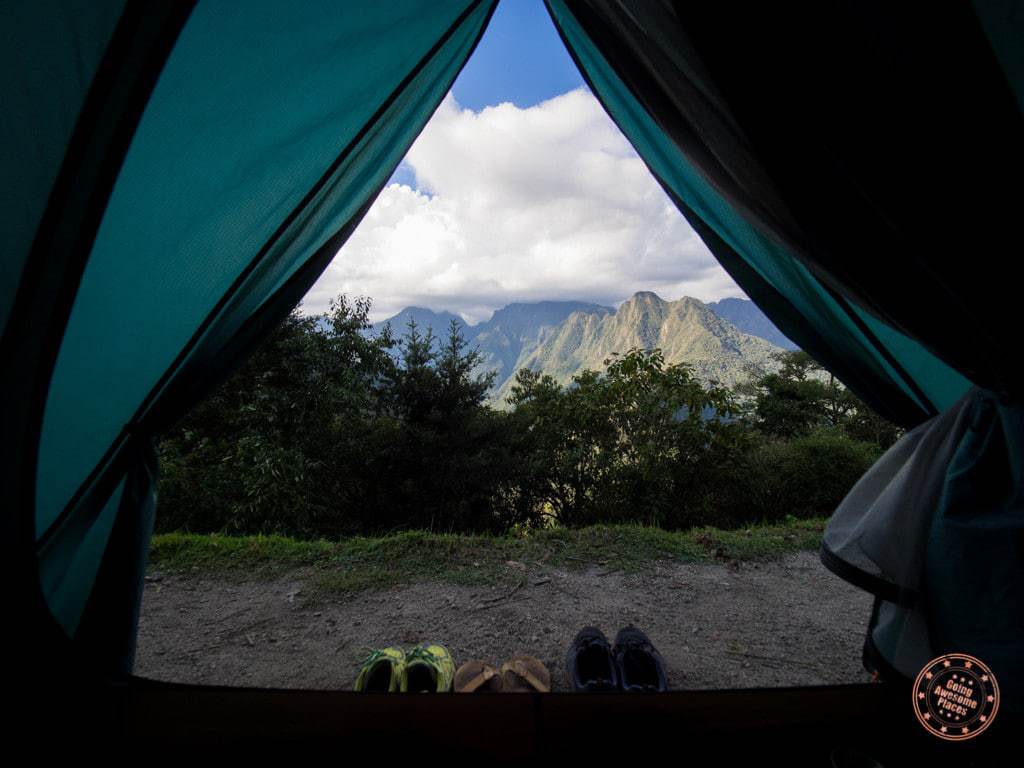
(516, 331)
(686, 330)
(512, 331)
(745, 315)
(562, 338)
(425, 318)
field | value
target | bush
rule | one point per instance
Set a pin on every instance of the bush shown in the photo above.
(636, 443)
(804, 477)
(329, 432)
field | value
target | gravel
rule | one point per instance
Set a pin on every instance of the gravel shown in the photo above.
(781, 623)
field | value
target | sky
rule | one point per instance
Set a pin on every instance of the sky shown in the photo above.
(520, 188)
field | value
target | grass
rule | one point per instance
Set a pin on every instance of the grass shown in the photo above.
(360, 563)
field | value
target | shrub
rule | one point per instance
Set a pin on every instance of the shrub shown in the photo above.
(328, 431)
(804, 477)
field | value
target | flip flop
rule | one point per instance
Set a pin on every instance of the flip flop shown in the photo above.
(474, 676)
(524, 674)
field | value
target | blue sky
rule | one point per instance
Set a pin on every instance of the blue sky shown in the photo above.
(519, 189)
(520, 59)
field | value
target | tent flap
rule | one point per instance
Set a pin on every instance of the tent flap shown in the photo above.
(271, 130)
(833, 166)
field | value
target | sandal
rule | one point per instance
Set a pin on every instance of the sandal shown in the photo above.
(474, 676)
(524, 674)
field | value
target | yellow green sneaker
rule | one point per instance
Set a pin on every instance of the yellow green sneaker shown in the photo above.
(382, 671)
(429, 669)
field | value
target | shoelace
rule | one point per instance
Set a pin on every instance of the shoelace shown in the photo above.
(375, 655)
(422, 653)
(633, 644)
(636, 644)
(587, 642)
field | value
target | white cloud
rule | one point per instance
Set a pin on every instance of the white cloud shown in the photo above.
(548, 202)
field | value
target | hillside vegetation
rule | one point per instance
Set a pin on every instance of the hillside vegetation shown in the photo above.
(563, 338)
(684, 331)
(329, 432)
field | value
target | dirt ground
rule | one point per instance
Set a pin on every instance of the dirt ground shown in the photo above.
(780, 623)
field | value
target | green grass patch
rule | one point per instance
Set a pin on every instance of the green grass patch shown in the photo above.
(414, 556)
(760, 542)
(214, 553)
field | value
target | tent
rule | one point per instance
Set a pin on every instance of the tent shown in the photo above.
(177, 174)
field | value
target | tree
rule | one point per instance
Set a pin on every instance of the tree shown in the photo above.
(463, 389)
(257, 454)
(445, 459)
(802, 396)
(332, 430)
(791, 402)
(630, 444)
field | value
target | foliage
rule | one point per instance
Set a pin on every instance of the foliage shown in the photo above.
(254, 454)
(802, 397)
(332, 431)
(631, 445)
(325, 432)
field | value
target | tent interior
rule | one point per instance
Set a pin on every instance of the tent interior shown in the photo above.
(194, 166)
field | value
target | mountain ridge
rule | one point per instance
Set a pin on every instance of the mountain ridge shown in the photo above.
(562, 338)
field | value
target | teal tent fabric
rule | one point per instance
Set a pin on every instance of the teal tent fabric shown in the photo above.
(73, 560)
(48, 58)
(272, 127)
(892, 372)
(935, 531)
(125, 74)
(1003, 22)
(835, 157)
(975, 596)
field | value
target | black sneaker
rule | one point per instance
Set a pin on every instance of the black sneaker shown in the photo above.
(589, 662)
(639, 665)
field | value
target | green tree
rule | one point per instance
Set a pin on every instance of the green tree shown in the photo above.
(633, 443)
(257, 454)
(791, 402)
(802, 397)
(445, 458)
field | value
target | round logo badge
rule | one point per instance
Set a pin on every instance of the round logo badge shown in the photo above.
(956, 697)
